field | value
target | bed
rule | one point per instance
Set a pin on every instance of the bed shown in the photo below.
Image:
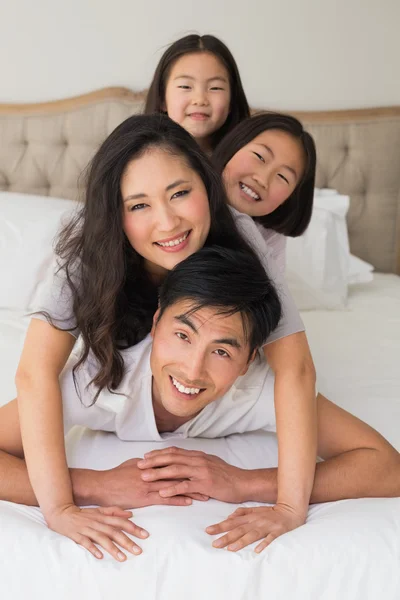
(348, 549)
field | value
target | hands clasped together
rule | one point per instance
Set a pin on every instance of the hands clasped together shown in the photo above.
(172, 476)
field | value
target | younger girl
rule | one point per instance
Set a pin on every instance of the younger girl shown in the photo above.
(197, 83)
(268, 164)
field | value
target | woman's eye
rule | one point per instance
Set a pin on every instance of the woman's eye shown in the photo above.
(137, 207)
(182, 336)
(180, 194)
(284, 178)
(259, 156)
(184, 87)
(221, 352)
(217, 88)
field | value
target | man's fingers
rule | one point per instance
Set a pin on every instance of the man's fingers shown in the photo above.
(155, 499)
(200, 497)
(169, 472)
(174, 450)
(156, 486)
(180, 500)
(167, 458)
(183, 488)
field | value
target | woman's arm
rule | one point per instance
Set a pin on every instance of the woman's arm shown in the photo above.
(288, 354)
(44, 355)
(296, 419)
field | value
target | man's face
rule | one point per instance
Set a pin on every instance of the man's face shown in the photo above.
(195, 358)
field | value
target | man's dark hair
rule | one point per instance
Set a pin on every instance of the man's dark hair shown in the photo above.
(232, 281)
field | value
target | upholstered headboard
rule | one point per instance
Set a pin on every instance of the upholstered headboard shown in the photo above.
(44, 148)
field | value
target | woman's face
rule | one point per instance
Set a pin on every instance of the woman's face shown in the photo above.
(264, 173)
(166, 214)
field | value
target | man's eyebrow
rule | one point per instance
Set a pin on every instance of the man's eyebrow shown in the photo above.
(186, 321)
(169, 187)
(269, 150)
(228, 341)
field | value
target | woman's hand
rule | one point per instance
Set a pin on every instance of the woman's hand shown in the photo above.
(102, 526)
(248, 525)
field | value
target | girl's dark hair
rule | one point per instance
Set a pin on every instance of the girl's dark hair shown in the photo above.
(232, 281)
(293, 216)
(239, 108)
(113, 297)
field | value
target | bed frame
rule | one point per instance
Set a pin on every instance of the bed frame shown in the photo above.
(44, 147)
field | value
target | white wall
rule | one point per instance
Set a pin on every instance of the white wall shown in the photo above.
(301, 54)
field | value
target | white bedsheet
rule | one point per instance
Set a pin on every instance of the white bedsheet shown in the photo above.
(347, 550)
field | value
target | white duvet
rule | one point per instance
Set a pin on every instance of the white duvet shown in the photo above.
(348, 550)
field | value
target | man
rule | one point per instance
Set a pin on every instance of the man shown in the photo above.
(199, 374)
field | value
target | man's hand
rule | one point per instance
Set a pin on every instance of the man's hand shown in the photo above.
(124, 487)
(201, 474)
(248, 525)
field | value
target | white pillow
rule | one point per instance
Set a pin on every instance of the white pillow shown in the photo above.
(319, 266)
(28, 226)
(359, 271)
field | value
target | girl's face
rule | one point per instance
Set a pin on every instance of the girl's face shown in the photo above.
(198, 95)
(166, 214)
(264, 173)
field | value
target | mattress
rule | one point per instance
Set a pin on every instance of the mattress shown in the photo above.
(348, 549)
(356, 352)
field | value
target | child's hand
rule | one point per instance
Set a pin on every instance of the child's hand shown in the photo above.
(102, 526)
(248, 525)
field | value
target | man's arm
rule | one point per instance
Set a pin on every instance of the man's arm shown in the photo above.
(359, 462)
(16, 487)
(121, 486)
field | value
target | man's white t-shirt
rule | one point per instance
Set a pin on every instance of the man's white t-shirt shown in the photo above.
(247, 406)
